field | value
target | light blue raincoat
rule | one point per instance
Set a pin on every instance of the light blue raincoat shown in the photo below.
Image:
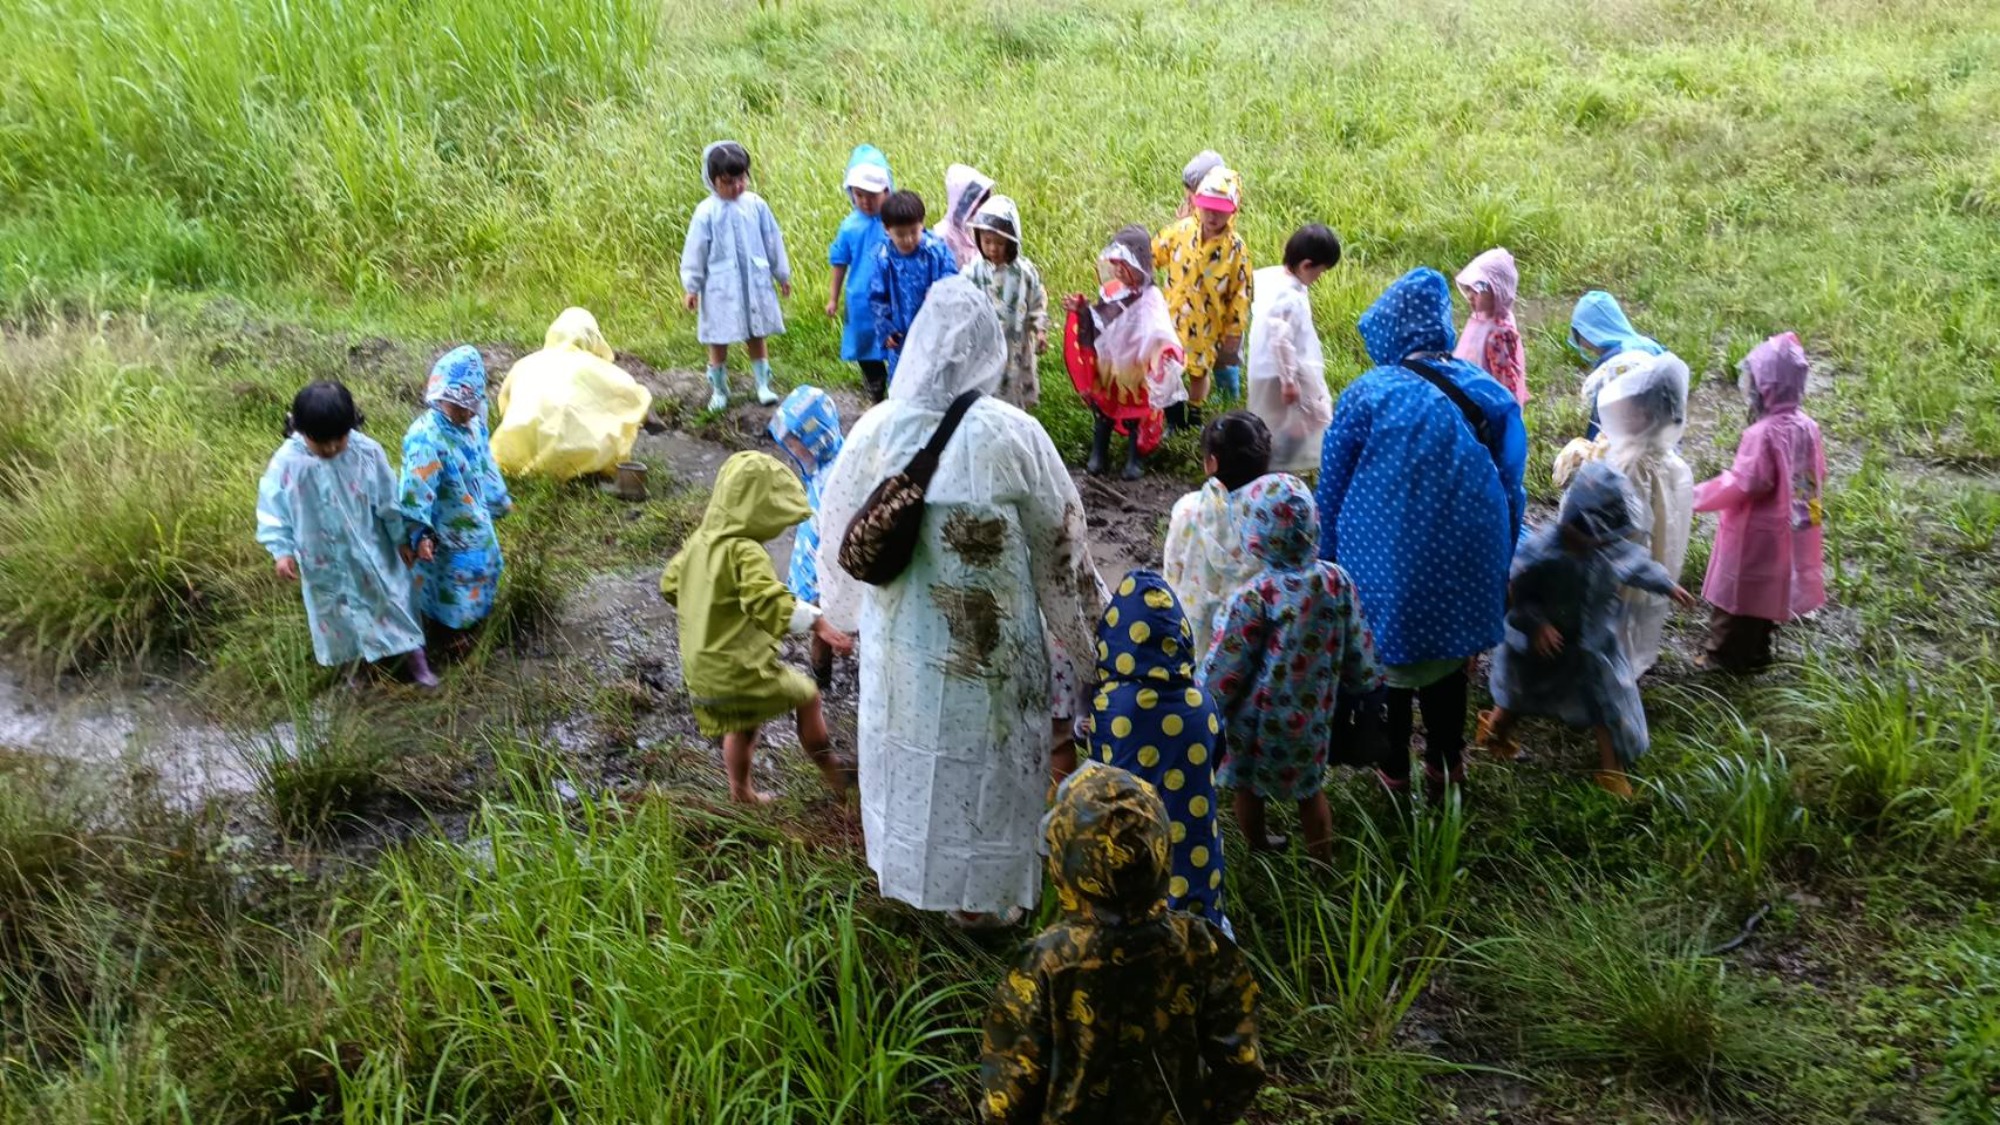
(734, 257)
(1601, 324)
(337, 517)
(809, 415)
(855, 246)
(451, 493)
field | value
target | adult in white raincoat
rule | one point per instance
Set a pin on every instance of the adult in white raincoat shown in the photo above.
(955, 679)
(1644, 411)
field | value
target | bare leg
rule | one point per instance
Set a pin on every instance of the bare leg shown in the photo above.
(817, 743)
(738, 747)
(718, 355)
(1496, 733)
(1316, 826)
(1062, 757)
(1610, 771)
(1250, 817)
(756, 348)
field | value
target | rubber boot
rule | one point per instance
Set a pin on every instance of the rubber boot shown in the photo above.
(761, 368)
(718, 383)
(1100, 447)
(1176, 416)
(420, 669)
(1134, 469)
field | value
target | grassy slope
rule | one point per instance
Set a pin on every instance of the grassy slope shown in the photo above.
(1730, 169)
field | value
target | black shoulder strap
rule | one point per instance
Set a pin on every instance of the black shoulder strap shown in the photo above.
(925, 462)
(1474, 416)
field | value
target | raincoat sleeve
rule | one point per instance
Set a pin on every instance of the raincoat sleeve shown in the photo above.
(417, 494)
(1503, 356)
(1340, 452)
(1013, 1071)
(694, 252)
(492, 486)
(1236, 311)
(274, 513)
(1528, 594)
(1058, 558)
(1229, 1035)
(765, 600)
(1034, 297)
(774, 243)
(1513, 465)
(670, 578)
(1178, 556)
(1750, 478)
(382, 488)
(881, 285)
(1636, 568)
(1284, 343)
(1360, 673)
(847, 485)
(1230, 670)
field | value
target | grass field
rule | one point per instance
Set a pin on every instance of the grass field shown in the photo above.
(205, 203)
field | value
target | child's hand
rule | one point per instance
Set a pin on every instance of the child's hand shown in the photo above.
(1041, 340)
(893, 343)
(1548, 641)
(288, 569)
(1684, 599)
(833, 638)
(1291, 394)
(693, 301)
(833, 307)
(1073, 302)
(427, 551)
(785, 290)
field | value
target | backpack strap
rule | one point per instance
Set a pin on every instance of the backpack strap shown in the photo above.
(1474, 416)
(925, 462)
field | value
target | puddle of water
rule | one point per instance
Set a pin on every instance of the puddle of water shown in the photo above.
(190, 760)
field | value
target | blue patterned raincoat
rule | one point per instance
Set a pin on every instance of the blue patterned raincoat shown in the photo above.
(900, 284)
(451, 493)
(809, 415)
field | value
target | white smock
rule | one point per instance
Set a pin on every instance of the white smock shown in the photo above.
(1284, 352)
(955, 674)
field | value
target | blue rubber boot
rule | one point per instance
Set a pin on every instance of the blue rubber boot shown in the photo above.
(718, 382)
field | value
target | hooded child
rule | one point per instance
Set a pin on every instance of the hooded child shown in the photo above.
(1287, 369)
(1644, 412)
(1562, 657)
(451, 494)
(326, 511)
(906, 267)
(1124, 1012)
(1152, 718)
(1491, 341)
(807, 426)
(1205, 557)
(733, 614)
(1122, 352)
(732, 261)
(1207, 285)
(1768, 566)
(855, 259)
(1601, 334)
(1291, 641)
(1014, 286)
(1204, 162)
(966, 190)
(568, 411)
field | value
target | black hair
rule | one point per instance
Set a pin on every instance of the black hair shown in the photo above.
(729, 159)
(1315, 243)
(323, 411)
(1004, 231)
(1241, 445)
(902, 209)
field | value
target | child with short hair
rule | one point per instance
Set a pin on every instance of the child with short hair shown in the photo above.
(1014, 286)
(733, 257)
(326, 510)
(1291, 641)
(807, 426)
(1207, 285)
(1287, 369)
(1605, 338)
(1123, 355)
(905, 269)
(855, 261)
(451, 494)
(1123, 1011)
(1562, 657)
(1151, 717)
(1768, 566)
(966, 190)
(733, 612)
(1205, 559)
(1491, 341)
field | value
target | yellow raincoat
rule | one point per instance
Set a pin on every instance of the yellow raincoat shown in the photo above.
(567, 410)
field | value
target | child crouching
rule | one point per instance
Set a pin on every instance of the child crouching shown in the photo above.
(733, 612)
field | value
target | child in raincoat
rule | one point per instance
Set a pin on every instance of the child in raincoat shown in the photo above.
(1151, 717)
(326, 510)
(855, 259)
(1290, 642)
(1287, 369)
(1643, 413)
(1208, 285)
(1123, 355)
(451, 494)
(1768, 566)
(807, 425)
(1205, 559)
(1491, 341)
(1204, 162)
(567, 410)
(966, 190)
(1015, 287)
(1124, 1012)
(733, 613)
(1601, 334)
(733, 256)
(905, 269)
(1562, 657)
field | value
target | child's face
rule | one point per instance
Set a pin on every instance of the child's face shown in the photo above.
(993, 247)
(869, 202)
(459, 415)
(1481, 298)
(1213, 223)
(730, 187)
(327, 449)
(799, 452)
(907, 237)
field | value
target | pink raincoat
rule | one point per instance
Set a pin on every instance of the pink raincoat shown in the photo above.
(1769, 560)
(1491, 341)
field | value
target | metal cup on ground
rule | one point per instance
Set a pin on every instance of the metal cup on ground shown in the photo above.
(631, 483)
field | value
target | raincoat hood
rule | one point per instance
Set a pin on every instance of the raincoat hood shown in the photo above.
(1596, 507)
(1107, 838)
(965, 188)
(713, 145)
(1412, 315)
(1145, 635)
(1204, 162)
(808, 414)
(459, 378)
(1280, 521)
(1495, 268)
(755, 497)
(1221, 190)
(576, 329)
(1646, 408)
(955, 345)
(863, 155)
(1599, 322)
(999, 215)
(1776, 371)
(1133, 246)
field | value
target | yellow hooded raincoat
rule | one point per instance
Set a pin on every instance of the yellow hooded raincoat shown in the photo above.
(567, 410)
